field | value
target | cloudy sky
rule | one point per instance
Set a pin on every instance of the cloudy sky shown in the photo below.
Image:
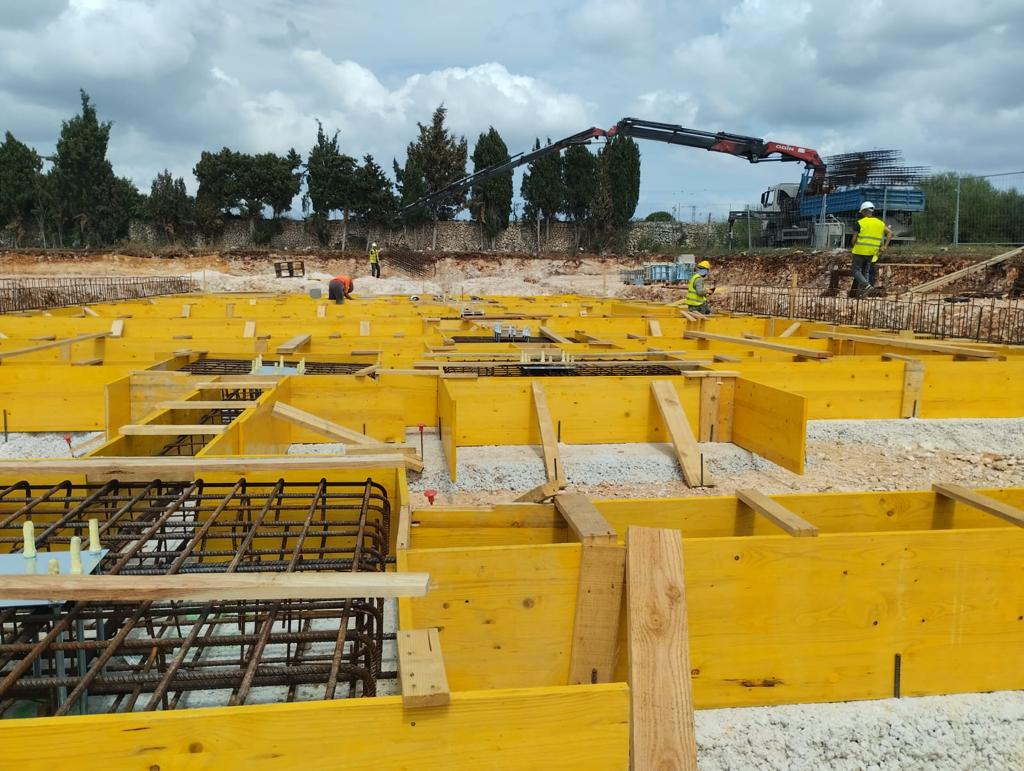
(938, 79)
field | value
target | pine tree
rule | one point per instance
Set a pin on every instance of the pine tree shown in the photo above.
(543, 189)
(20, 165)
(580, 169)
(624, 177)
(375, 193)
(602, 212)
(491, 199)
(440, 158)
(169, 208)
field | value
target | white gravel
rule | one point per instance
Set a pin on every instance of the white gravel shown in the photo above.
(937, 733)
(991, 435)
(44, 445)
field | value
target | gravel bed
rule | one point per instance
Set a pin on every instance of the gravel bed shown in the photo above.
(937, 733)
(43, 445)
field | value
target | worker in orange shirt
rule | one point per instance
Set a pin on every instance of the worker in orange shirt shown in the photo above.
(340, 289)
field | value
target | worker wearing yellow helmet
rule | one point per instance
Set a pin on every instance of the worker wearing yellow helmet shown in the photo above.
(697, 291)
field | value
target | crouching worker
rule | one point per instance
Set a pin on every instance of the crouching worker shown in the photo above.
(340, 289)
(698, 292)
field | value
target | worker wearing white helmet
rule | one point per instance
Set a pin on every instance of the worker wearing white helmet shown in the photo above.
(374, 260)
(697, 292)
(870, 237)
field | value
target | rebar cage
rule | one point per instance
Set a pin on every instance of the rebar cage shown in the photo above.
(207, 366)
(86, 657)
(22, 294)
(560, 369)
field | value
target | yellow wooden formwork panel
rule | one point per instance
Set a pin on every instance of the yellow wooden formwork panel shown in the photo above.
(503, 525)
(558, 728)
(360, 404)
(446, 417)
(771, 423)
(955, 389)
(781, 620)
(505, 613)
(56, 397)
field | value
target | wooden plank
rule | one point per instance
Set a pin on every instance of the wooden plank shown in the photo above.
(321, 311)
(553, 467)
(1012, 514)
(319, 425)
(250, 329)
(404, 535)
(913, 384)
(598, 605)
(87, 362)
(709, 391)
(214, 586)
(909, 345)
(725, 357)
(90, 312)
(421, 669)
(553, 336)
(170, 429)
(366, 371)
(213, 385)
(229, 310)
(771, 422)
(654, 327)
(687, 452)
(662, 732)
(586, 522)
(536, 495)
(586, 337)
(788, 331)
(175, 468)
(53, 344)
(186, 310)
(198, 404)
(293, 344)
(776, 513)
(364, 328)
(726, 409)
(808, 353)
(949, 278)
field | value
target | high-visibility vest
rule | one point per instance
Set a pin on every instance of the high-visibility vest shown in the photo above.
(692, 297)
(869, 238)
(346, 282)
(374, 256)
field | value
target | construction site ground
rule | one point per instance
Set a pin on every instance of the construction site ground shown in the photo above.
(940, 732)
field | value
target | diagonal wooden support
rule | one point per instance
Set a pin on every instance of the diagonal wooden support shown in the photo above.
(540, 493)
(654, 327)
(986, 503)
(788, 331)
(319, 425)
(661, 694)
(595, 631)
(421, 669)
(690, 459)
(585, 521)
(553, 467)
(777, 514)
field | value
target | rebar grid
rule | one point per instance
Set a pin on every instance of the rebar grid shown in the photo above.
(244, 367)
(111, 657)
(983, 320)
(22, 294)
(560, 369)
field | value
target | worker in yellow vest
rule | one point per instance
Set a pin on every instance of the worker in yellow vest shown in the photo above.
(871, 235)
(374, 260)
(697, 292)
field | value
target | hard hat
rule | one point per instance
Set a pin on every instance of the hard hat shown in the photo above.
(704, 264)
(373, 244)
(867, 205)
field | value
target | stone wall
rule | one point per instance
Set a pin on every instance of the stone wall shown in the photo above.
(458, 236)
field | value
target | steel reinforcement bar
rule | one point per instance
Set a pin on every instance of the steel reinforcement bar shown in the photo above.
(24, 294)
(984, 320)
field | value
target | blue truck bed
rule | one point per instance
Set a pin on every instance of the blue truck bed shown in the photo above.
(895, 198)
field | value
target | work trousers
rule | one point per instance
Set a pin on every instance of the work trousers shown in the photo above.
(705, 309)
(336, 292)
(375, 269)
(861, 269)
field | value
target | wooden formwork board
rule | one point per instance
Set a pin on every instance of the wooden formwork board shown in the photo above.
(484, 729)
(773, 619)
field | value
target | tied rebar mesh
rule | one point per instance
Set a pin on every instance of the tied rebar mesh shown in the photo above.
(559, 369)
(207, 366)
(24, 294)
(983, 320)
(133, 656)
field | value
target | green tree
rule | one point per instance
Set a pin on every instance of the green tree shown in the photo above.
(624, 176)
(20, 165)
(987, 214)
(580, 175)
(169, 208)
(330, 176)
(83, 177)
(441, 159)
(602, 213)
(375, 194)
(659, 216)
(219, 196)
(491, 199)
(543, 189)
